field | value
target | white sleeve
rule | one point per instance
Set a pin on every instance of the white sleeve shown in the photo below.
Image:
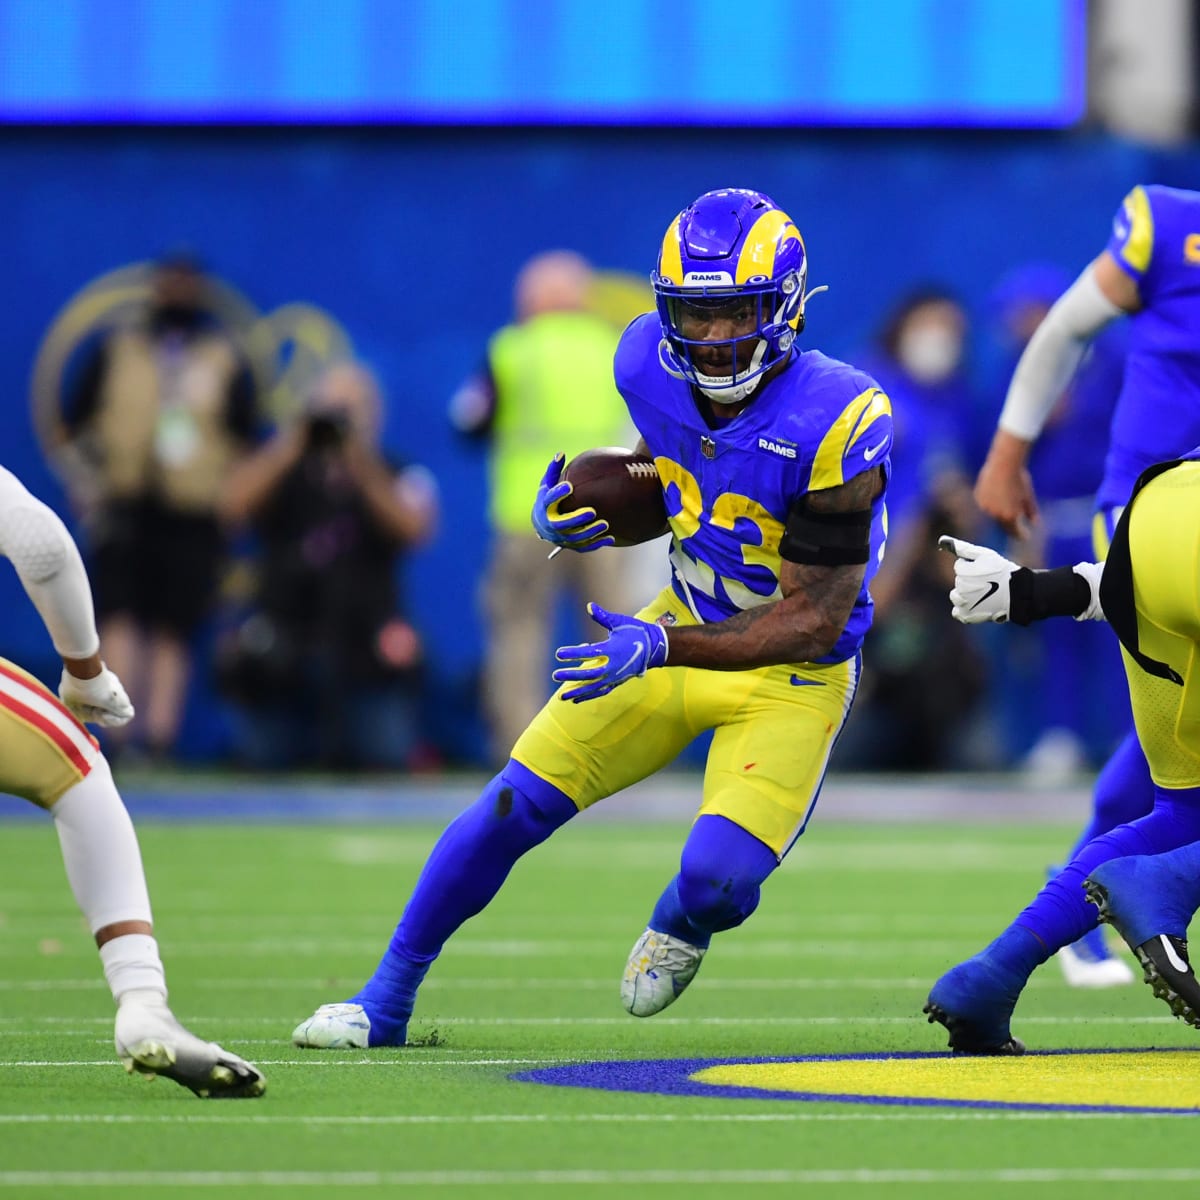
(1052, 355)
(48, 564)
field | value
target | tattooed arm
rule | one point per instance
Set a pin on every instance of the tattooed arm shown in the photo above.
(806, 623)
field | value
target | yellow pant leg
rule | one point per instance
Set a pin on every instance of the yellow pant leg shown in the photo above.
(44, 750)
(768, 758)
(772, 741)
(1164, 544)
(594, 749)
(1103, 524)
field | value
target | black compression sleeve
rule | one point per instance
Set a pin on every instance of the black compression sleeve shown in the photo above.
(1036, 595)
(824, 539)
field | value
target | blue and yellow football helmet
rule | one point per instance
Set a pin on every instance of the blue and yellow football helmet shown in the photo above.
(728, 248)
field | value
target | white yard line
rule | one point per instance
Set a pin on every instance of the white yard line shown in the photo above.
(841, 946)
(638, 1179)
(313, 1061)
(485, 984)
(336, 1059)
(791, 1115)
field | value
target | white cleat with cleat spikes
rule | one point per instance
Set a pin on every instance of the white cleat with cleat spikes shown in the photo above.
(659, 968)
(150, 1041)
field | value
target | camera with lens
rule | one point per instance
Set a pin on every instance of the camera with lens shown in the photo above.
(327, 429)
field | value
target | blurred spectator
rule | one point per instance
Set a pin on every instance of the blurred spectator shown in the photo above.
(920, 703)
(920, 360)
(163, 408)
(1072, 722)
(325, 671)
(547, 386)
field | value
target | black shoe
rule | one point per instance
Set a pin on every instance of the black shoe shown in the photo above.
(1165, 964)
(967, 1038)
(1164, 957)
(975, 1001)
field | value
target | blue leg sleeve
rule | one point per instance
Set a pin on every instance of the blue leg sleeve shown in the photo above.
(1154, 895)
(1124, 792)
(720, 873)
(472, 858)
(1060, 912)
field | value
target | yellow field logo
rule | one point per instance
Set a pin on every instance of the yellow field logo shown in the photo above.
(1128, 1081)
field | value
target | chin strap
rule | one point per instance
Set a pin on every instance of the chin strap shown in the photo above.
(669, 361)
(734, 393)
(728, 395)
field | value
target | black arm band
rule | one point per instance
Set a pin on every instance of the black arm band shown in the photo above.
(1036, 595)
(826, 539)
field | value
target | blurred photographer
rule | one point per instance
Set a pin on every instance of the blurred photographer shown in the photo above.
(325, 670)
(162, 407)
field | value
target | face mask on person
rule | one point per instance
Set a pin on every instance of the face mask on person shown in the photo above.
(930, 353)
(183, 317)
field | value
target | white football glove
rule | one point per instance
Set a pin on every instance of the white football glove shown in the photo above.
(981, 582)
(1093, 572)
(100, 701)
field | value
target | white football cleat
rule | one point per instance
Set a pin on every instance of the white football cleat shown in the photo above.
(150, 1041)
(334, 1027)
(1088, 963)
(659, 968)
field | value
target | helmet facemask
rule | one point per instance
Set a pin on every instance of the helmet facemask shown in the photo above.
(761, 320)
(729, 286)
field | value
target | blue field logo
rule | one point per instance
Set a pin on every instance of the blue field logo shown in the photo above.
(1093, 1081)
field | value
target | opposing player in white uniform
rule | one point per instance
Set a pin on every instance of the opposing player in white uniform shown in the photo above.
(48, 757)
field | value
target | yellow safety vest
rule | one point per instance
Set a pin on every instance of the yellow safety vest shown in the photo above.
(554, 391)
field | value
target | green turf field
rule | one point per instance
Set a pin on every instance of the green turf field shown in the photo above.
(260, 924)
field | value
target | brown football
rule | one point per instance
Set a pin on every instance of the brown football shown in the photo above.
(623, 488)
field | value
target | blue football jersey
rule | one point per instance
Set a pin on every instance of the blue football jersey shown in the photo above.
(729, 489)
(1156, 241)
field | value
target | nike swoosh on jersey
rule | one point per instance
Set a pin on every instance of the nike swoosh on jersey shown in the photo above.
(796, 681)
(874, 450)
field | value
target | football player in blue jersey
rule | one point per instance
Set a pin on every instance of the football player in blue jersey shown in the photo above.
(1144, 876)
(1150, 271)
(773, 463)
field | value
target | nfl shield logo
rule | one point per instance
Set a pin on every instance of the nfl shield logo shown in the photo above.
(708, 447)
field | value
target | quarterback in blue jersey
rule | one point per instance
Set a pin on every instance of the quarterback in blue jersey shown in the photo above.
(1150, 271)
(773, 464)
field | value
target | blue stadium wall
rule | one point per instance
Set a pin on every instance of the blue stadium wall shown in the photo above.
(411, 239)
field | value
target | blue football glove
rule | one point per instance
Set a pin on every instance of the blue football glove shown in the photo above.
(631, 649)
(576, 529)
